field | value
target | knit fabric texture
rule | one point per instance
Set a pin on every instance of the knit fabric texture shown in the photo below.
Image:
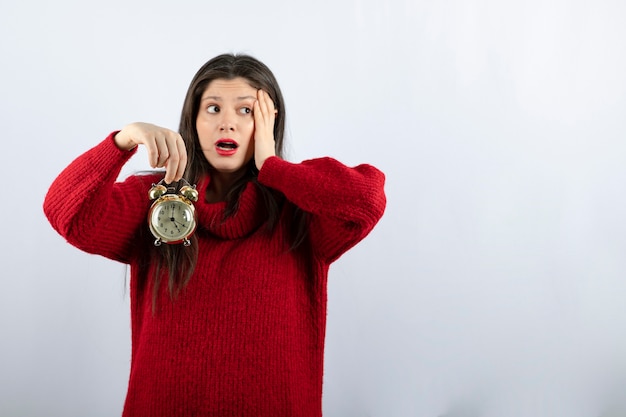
(246, 335)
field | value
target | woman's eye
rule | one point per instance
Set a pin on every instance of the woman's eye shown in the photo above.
(213, 109)
(245, 110)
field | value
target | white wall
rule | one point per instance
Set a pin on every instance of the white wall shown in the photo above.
(496, 277)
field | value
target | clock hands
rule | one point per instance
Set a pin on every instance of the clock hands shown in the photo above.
(177, 222)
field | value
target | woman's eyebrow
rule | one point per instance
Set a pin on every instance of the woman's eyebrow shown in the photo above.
(218, 98)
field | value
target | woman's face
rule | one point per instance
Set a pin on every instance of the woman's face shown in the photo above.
(225, 124)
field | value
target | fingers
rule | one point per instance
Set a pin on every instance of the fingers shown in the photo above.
(166, 148)
(264, 118)
(172, 155)
(265, 107)
(182, 158)
(258, 115)
(159, 152)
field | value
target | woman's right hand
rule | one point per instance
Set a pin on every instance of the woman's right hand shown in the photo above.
(165, 147)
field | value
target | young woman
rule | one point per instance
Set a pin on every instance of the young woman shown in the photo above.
(232, 322)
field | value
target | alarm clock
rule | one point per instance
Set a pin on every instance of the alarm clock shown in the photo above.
(172, 216)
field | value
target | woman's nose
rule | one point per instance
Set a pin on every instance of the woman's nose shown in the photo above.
(227, 123)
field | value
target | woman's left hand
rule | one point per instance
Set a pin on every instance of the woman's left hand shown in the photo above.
(264, 116)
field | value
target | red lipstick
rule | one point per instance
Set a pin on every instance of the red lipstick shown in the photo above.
(226, 146)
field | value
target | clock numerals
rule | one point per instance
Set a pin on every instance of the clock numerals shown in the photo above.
(172, 221)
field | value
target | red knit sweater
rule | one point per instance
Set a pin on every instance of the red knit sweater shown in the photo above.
(246, 336)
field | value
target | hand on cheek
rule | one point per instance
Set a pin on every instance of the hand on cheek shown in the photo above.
(264, 117)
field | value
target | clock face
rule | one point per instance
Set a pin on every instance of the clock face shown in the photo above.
(171, 219)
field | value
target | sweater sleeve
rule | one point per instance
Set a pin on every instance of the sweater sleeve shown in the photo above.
(90, 210)
(345, 203)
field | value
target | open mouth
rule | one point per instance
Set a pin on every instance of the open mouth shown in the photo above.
(227, 144)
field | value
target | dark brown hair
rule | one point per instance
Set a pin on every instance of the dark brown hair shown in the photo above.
(179, 261)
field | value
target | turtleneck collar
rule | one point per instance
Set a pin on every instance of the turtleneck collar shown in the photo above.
(250, 215)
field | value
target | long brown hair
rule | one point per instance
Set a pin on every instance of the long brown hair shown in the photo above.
(179, 261)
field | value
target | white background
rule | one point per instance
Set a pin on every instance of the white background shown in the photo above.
(496, 279)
